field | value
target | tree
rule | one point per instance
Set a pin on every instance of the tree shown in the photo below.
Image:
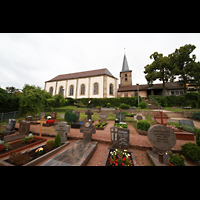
(12, 90)
(183, 64)
(160, 68)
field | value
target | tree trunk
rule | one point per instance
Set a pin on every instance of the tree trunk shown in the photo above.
(163, 93)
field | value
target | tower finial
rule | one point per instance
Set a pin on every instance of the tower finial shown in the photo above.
(124, 50)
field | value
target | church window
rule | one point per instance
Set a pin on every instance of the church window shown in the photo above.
(82, 89)
(125, 79)
(51, 90)
(96, 88)
(71, 90)
(125, 94)
(61, 90)
(125, 75)
(111, 89)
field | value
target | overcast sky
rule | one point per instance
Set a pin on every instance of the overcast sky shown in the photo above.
(33, 58)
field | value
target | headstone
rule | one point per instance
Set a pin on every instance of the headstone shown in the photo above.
(77, 114)
(186, 122)
(24, 127)
(103, 116)
(161, 118)
(10, 125)
(120, 116)
(89, 114)
(42, 114)
(161, 137)
(62, 116)
(63, 128)
(53, 115)
(139, 117)
(88, 129)
(119, 137)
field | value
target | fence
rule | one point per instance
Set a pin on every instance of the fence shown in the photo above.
(8, 115)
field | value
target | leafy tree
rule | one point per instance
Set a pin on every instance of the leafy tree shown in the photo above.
(160, 68)
(183, 64)
(12, 90)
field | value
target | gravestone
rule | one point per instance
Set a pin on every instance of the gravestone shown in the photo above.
(62, 116)
(53, 115)
(186, 122)
(88, 129)
(139, 117)
(161, 118)
(10, 125)
(120, 116)
(161, 137)
(63, 128)
(103, 116)
(42, 114)
(119, 137)
(24, 127)
(89, 114)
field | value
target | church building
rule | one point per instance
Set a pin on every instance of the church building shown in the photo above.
(98, 83)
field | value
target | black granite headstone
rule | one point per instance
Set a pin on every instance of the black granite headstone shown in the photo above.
(186, 122)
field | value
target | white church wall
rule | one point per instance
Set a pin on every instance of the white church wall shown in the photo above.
(51, 84)
(69, 83)
(111, 81)
(99, 80)
(84, 81)
(59, 84)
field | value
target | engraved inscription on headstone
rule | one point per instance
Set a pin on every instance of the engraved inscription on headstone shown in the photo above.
(63, 128)
(161, 137)
(119, 137)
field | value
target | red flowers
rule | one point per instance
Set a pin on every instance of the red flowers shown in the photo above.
(51, 121)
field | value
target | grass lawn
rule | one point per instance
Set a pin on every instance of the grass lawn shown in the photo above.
(174, 109)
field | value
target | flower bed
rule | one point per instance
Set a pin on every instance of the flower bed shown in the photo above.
(49, 122)
(119, 157)
(101, 125)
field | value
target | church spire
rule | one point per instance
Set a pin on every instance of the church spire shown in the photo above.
(125, 67)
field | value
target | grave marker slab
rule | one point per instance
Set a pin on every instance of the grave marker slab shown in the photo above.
(139, 117)
(103, 116)
(161, 137)
(63, 128)
(24, 127)
(119, 137)
(186, 122)
(120, 116)
(53, 115)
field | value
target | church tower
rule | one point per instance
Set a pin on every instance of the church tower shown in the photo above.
(125, 74)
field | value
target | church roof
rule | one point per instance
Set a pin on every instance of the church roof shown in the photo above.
(125, 67)
(97, 72)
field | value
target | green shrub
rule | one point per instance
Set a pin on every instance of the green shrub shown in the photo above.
(191, 150)
(108, 105)
(57, 141)
(193, 104)
(143, 104)
(49, 145)
(70, 116)
(121, 125)
(198, 103)
(188, 128)
(143, 125)
(196, 115)
(197, 137)
(124, 106)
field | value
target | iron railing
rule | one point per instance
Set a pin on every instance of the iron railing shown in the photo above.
(8, 115)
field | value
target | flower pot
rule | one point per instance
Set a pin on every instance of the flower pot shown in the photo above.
(170, 163)
(2, 147)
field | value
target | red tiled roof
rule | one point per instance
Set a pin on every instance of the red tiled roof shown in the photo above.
(97, 72)
(169, 85)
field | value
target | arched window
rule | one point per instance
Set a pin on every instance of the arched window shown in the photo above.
(96, 88)
(82, 89)
(111, 89)
(71, 90)
(51, 90)
(61, 90)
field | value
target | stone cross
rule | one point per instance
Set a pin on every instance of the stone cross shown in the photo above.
(63, 128)
(161, 118)
(120, 116)
(89, 114)
(88, 129)
(103, 116)
(41, 123)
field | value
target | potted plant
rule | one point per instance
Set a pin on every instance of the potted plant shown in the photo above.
(4, 145)
(176, 159)
(28, 139)
(120, 158)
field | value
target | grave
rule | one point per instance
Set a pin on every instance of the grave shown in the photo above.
(24, 127)
(120, 116)
(103, 116)
(186, 122)
(63, 128)
(161, 118)
(78, 123)
(10, 125)
(41, 123)
(139, 117)
(53, 115)
(80, 152)
(42, 114)
(163, 139)
(62, 116)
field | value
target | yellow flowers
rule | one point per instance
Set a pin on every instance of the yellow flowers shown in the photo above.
(39, 150)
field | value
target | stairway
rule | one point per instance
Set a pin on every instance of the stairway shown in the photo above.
(151, 105)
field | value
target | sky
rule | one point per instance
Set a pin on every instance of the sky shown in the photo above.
(33, 58)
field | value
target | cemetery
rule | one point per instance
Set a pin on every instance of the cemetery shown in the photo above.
(118, 143)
